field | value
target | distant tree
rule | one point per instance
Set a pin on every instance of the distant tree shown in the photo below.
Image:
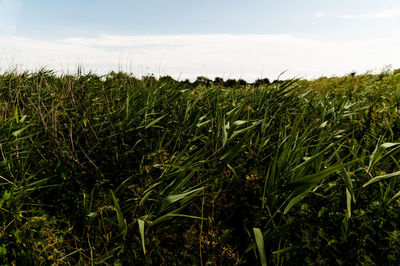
(241, 82)
(166, 79)
(202, 81)
(396, 71)
(149, 79)
(230, 83)
(186, 82)
(260, 82)
(382, 75)
(218, 81)
(120, 77)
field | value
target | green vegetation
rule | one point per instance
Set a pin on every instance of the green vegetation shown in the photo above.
(115, 170)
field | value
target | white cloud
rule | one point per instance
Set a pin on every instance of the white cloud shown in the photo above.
(188, 56)
(384, 14)
(319, 14)
(9, 11)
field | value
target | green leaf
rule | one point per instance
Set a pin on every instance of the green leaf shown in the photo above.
(155, 121)
(120, 217)
(203, 123)
(17, 132)
(260, 246)
(323, 124)
(296, 200)
(381, 177)
(177, 197)
(348, 201)
(16, 116)
(148, 192)
(240, 122)
(224, 133)
(5, 198)
(141, 231)
(232, 153)
(242, 131)
(127, 104)
(3, 250)
(23, 118)
(282, 250)
(378, 153)
(309, 160)
(394, 197)
(167, 216)
(314, 178)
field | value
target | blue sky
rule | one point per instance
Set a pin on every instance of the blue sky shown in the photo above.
(309, 38)
(49, 18)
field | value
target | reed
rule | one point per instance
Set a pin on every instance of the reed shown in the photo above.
(117, 170)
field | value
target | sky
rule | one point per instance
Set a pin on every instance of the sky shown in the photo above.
(186, 38)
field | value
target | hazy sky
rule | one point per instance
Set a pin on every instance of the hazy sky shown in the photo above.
(228, 38)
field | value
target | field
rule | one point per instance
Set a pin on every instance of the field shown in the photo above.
(117, 170)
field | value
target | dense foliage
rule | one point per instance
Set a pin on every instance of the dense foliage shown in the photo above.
(116, 170)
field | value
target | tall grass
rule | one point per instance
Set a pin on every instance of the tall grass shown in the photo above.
(117, 170)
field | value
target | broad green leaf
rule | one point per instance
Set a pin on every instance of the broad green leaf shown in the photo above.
(23, 118)
(185, 216)
(167, 216)
(283, 250)
(394, 197)
(349, 186)
(141, 231)
(240, 122)
(127, 104)
(120, 217)
(16, 116)
(148, 192)
(241, 131)
(381, 177)
(232, 153)
(323, 124)
(203, 123)
(378, 153)
(174, 198)
(348, 202)
(260, 245)
(155, 121)
(224, 133)
(177, 197)
(308, 160)
(314, 178)
(296, 200)
(18, 132)
(3, 250)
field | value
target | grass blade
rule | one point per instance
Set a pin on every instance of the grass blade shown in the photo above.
(260, 246)
(141, 231)
(381, 177)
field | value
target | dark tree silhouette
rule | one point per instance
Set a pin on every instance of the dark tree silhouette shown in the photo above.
(241, 82)
(166, 79)
(218, 81)
(260, 82)
(230, 83)
(202, 81)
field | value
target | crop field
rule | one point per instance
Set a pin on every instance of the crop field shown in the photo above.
(117, 170)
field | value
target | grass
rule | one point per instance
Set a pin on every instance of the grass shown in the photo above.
(118, 170)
